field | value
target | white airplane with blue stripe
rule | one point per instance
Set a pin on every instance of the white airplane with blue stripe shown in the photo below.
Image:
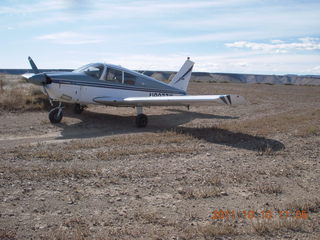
(111, 85)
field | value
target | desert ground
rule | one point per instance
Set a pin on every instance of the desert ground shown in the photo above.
(210, 172)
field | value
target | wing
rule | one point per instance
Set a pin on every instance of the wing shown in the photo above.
(171, 100)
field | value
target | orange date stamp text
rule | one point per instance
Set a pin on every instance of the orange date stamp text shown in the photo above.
(262, 214)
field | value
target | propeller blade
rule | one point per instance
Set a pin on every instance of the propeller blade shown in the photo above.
(33, 65)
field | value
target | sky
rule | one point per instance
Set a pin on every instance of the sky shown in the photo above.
(230, 36)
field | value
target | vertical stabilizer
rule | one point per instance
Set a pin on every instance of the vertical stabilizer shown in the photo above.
(182, 78)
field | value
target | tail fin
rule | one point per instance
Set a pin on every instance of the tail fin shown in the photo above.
(33, 66)
(181, 79)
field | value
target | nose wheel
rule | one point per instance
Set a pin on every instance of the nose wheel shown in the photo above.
(55, 115)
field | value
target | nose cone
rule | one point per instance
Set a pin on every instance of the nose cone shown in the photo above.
(37, 79)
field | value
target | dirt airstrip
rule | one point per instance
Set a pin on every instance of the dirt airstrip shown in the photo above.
(211, 172)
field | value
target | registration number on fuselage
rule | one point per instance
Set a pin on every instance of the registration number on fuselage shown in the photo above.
(156, 94)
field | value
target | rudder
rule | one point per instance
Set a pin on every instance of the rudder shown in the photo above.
(182, 78)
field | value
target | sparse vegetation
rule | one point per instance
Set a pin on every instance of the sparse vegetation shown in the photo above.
(309, 205)
(22, 100)
(147, 139)
(270, 188)
(6, 234)
(200, 192)
(212, 181)
(71, 229)
(209, 231)
(270, 227)
(311, 131)
(46, 173)
(298, 119)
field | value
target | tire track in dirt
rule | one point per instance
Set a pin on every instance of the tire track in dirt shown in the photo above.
(53, 137)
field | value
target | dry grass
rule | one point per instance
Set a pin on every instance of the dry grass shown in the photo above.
(44, 152)
(240, 177)
(212, 181)
(266, 151)
(270, 188)
(309, 131)
(144, 139)
(269, 227)
(22, 99)
(123, 152)
(285, 171)
(46, 173)
(6, 234)
(152, 217)
(16, 95)
(301, 122)
(72, 229)
(111, 148)
(210, 231)
(309, 205)
(52, 156)
(200, 192)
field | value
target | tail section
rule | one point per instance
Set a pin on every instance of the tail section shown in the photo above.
(182, 78)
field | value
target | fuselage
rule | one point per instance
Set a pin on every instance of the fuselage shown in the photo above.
(104, 80)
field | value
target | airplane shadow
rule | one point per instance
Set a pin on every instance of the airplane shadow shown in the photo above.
(94, 124)
(233, 139)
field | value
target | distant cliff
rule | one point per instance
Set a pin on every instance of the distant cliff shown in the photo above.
(214, 77)
(241, 78)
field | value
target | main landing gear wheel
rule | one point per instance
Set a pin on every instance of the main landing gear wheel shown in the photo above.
(55, 115)
(141, 120)
(78, 109)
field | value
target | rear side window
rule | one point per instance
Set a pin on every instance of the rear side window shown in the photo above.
(129, 79)
(114, 75)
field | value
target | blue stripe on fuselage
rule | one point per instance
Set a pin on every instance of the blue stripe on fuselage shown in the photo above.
(114, 86)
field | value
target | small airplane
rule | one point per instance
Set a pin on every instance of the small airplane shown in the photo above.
(111, 85)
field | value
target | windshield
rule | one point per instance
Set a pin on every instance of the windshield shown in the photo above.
(80, 69)
(94, 70)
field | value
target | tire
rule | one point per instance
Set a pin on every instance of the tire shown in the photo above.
(78, 109)
(54, 117)
(141, 121)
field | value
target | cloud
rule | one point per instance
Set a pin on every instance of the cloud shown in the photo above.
(155, 6)
(278, 46)
(71, 38)
(36, 7)
(265, 19)
(134, 7)
(220, 36)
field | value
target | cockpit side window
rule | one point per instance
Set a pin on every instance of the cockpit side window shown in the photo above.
(114, 75)
(94, 72)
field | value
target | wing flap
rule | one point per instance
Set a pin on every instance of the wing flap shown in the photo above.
(184, 100)
(171, 100)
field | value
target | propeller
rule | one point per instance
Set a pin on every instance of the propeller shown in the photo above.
(37, 77)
